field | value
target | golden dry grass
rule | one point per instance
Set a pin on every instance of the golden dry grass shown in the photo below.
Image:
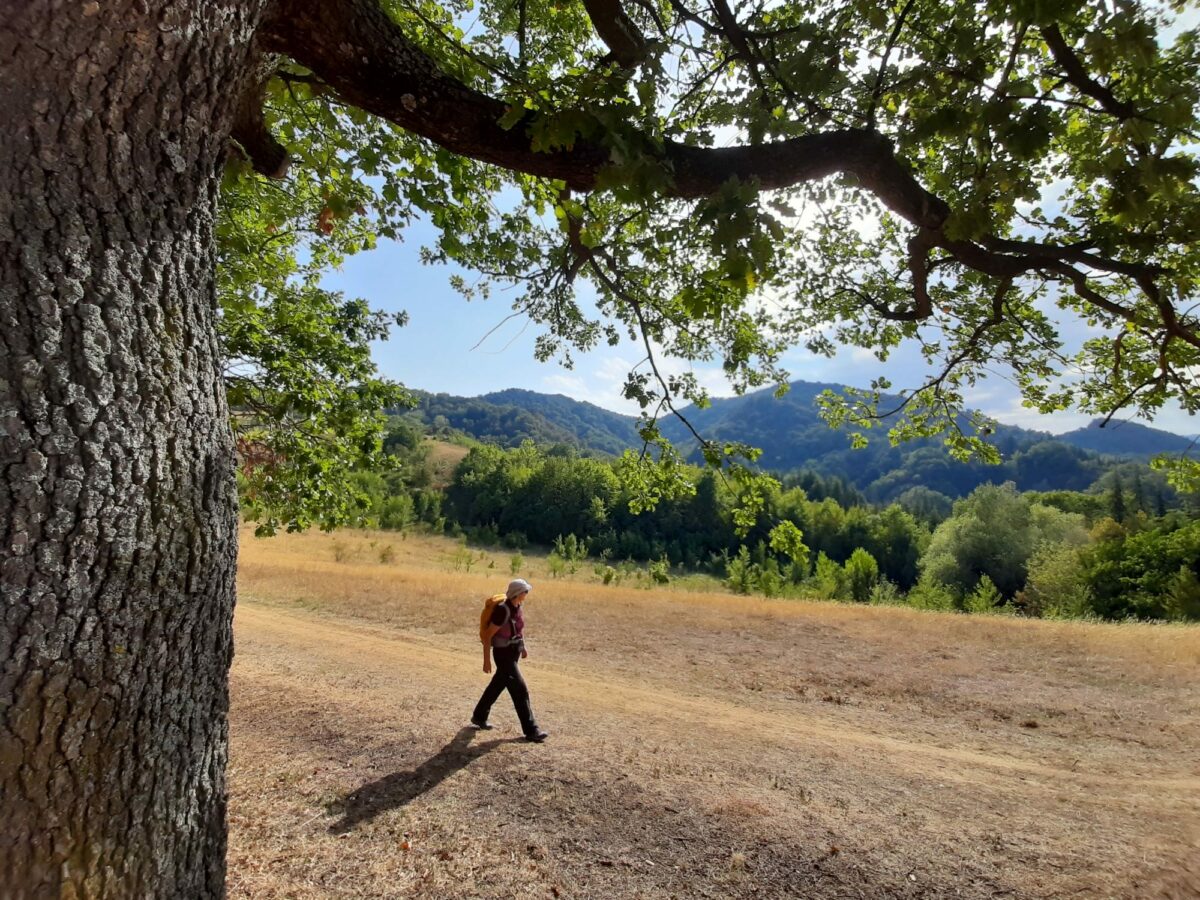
(702, 744)
(443, 460)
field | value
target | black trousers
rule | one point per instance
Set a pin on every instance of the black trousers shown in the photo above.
(507, 677)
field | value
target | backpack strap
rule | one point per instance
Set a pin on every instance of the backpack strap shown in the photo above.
(508, 614)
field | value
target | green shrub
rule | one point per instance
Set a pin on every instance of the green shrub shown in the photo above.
(486, 535)
(1057, 586)
(463, 558)
(770, 581)
(885, 593)
(660, 570)
(740, 574)
(1183, 596)
(396, 512)
(829, 579)
(515, 540)
(571, 550)
(984, 599)
(861, 574)
(930, 594)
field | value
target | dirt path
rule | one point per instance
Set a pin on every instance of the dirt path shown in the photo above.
(350, 776)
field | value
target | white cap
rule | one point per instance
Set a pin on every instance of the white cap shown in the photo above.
(519, 586)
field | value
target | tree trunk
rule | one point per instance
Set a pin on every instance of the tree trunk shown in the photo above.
(118, 513)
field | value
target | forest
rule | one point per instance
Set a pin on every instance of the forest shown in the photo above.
(1126, 547)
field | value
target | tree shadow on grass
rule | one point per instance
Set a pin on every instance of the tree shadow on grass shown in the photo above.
(401, 788)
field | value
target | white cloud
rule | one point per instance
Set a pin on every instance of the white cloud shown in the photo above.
(1013, 413)
(562, 383)
(612, 371)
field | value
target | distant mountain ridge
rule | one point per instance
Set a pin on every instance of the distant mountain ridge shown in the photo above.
(1127, 439)
(595, 427)
(792, 436)
(508, 417)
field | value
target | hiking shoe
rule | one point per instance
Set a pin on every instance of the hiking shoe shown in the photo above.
(482, 726)
(536, 737)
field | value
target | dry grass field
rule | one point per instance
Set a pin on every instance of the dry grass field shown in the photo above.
(443, 460)
(702, 744)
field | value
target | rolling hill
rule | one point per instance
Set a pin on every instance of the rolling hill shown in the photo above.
(793, 437)
(507, 418)
(1127, 439)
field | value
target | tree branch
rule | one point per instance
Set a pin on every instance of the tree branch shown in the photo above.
(882, 310)
(687, 15)
(644, 330)
(918, 263)
(737, 37)
(743, 42)
(1076, 253)
(891, 45)
(368, 61)
(619, 32)
(1169, 322)
(1079, 76)
(355, 48)
(257, 144)
(970, 346)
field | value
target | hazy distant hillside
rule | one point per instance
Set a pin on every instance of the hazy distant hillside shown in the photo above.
(792, 435)
(593, 426)
(507, 418)
(787, 429)
(1127, 439)
(506, 426)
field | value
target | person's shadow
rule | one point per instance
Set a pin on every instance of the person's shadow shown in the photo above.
(400, 788)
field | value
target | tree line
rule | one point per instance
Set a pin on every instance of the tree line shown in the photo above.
(1124, 549)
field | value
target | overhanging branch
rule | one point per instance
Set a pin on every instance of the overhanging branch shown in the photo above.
(368, 61)
(1079, 76)
(257, 144)
(619, 32)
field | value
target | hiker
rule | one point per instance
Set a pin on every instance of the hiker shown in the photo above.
(503, 639)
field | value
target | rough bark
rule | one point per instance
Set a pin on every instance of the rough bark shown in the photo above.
(118, 516)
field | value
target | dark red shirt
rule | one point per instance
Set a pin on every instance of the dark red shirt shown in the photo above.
(511, 620)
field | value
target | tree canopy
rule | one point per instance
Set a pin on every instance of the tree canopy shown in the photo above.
(994, 181)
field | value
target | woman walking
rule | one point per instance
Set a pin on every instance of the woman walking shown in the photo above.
(503, 640)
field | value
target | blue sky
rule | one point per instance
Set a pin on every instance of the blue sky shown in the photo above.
(438, 349)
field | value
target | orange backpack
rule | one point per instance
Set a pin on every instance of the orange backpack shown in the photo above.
(485, 617)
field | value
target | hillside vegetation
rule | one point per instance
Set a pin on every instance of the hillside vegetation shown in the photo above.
(703, 745)
(793, 437)
(1127, 548)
